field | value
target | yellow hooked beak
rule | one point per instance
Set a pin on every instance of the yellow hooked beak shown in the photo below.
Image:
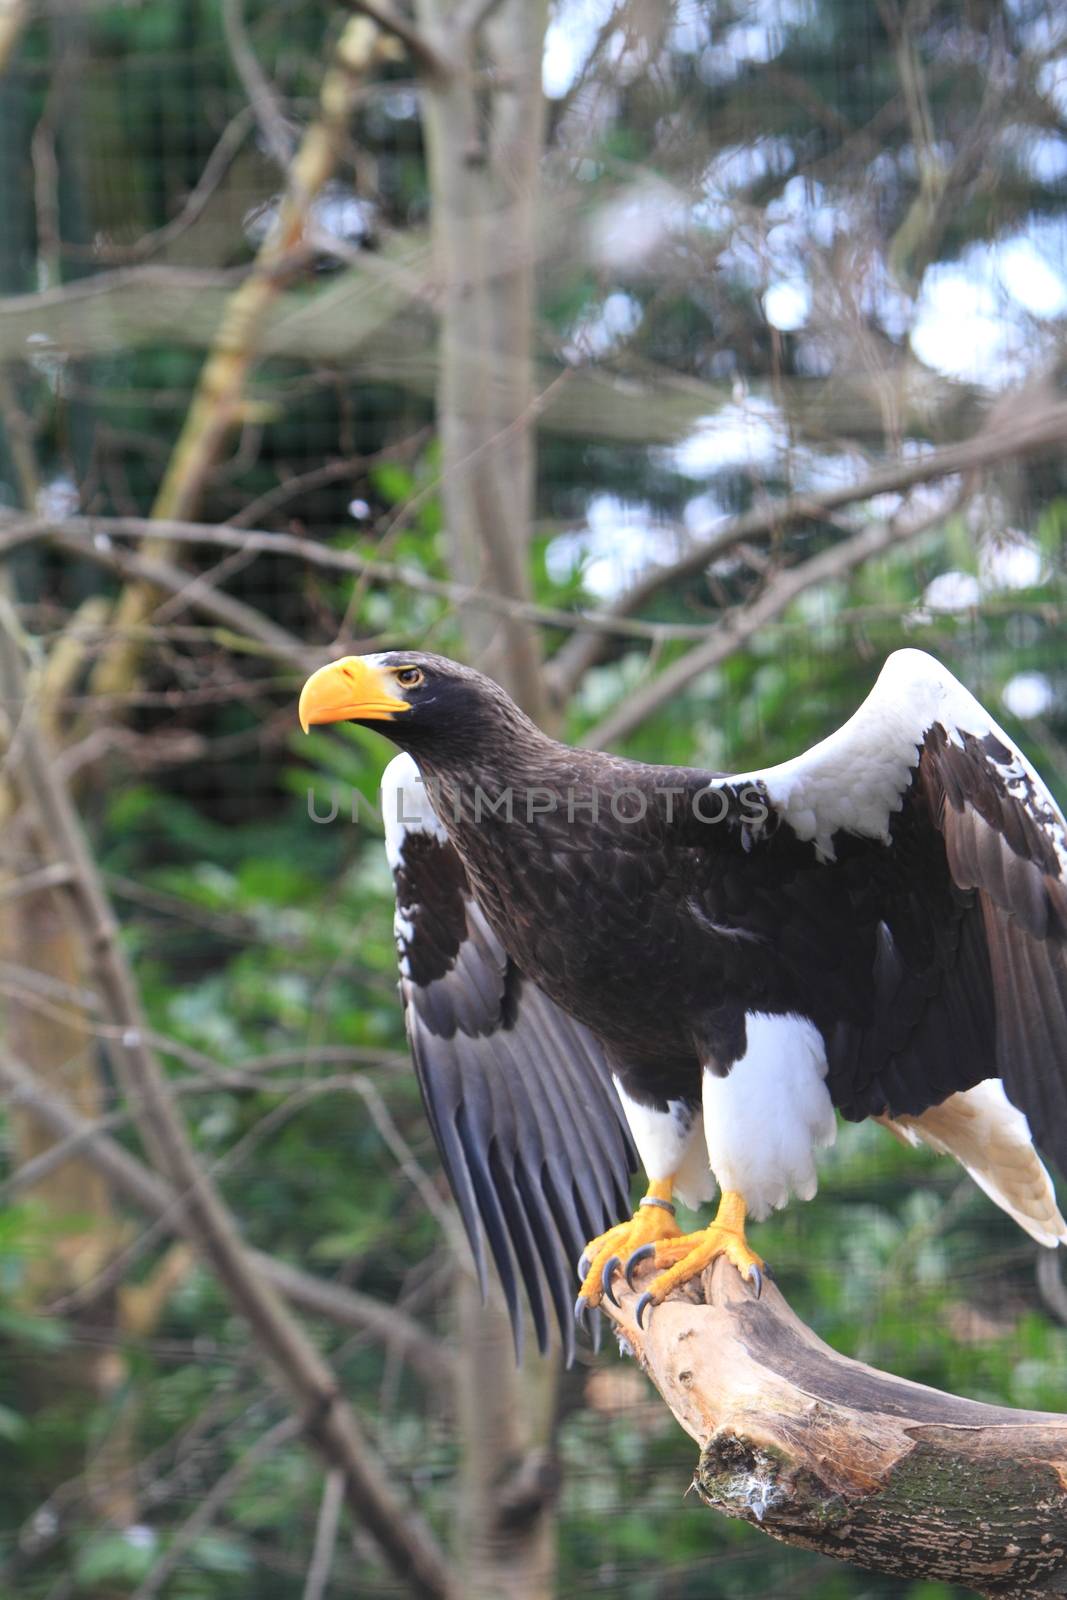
(355, 686)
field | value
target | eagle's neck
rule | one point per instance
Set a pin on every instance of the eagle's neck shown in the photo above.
(481, 768)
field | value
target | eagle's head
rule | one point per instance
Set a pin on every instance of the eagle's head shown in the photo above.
(423, 703)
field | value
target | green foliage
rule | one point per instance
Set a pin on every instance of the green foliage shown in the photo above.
(261, 936)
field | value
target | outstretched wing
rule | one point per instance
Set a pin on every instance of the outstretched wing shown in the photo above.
(520, 1099)
(966, 904)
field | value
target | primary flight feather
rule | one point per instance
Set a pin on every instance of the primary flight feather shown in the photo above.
(595, 951)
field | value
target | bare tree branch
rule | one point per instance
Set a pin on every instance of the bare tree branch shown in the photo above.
(739, 625)
(92, 538)
(216, 404)
(433, 61)
(328, 1422)
(246, 622)
(14, 15)
(318, 1297)
(208, 1508)
(254, 81)
(1034, 432)
(333, 1495)
(835, 1456)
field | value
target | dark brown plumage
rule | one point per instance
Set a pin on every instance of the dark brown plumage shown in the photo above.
(889, 911)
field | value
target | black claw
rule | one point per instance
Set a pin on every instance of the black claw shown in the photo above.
(645, 1301)
(589, 1320)
(768, 1272)
(642, 1253)
(755, 1278)
(584, 1264)
(606, 1276)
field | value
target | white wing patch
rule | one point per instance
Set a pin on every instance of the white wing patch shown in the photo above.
(406, 807)
(765, 1120)
(854, 780)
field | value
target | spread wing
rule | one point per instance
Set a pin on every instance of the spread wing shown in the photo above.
(951, 862)
(520, 1099)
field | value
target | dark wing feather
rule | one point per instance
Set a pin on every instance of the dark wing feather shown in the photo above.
(949, 865)
(1004, 839)
(519, 1096)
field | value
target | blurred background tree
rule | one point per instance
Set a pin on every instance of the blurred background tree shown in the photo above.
(673, 361)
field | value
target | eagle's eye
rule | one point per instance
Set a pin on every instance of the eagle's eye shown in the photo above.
(410, 677)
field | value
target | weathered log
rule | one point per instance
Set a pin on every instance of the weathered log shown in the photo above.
(830, 1454)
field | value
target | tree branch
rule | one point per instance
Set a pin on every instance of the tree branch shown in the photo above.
(328, 1422)
(1043, 431)
(739, 625)
(318, 1297)
(256, 85)
(217, 402)
(92, 538)
(14, 15)
(832, 1455)
(421, 51)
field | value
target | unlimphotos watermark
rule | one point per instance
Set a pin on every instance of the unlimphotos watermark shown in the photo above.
(708, 804)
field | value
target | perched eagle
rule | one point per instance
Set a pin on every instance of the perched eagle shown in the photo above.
(594, 950)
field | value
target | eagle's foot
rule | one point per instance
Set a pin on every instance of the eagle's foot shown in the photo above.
(682, 1258)
(651, 1225)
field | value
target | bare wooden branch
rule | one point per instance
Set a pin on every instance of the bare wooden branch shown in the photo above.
(333, 1498)
(1036, 431)
(256, 85)
(426, 55)
(14, 15)
(216, 404)
(161, 576)
(318, 1297)
(328, 1422)
(827, 1453)
(739, 625)
(92, 537)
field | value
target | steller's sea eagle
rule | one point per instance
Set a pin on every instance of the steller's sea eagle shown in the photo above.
(594, 950)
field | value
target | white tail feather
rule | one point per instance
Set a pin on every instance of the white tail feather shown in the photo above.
(991, 1138)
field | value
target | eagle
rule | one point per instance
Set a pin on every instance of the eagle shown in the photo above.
(601, 958)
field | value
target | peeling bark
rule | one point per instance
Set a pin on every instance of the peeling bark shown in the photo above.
(835, 1456)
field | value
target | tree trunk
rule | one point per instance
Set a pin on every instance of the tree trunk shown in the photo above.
(509, 1474)
(827, 1453)
(484, 149)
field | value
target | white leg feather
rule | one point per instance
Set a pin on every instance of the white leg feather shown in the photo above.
(670, 1146)
(764, 1121)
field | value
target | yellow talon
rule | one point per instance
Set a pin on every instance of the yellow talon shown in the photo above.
(651, 1224)
(685, 1256)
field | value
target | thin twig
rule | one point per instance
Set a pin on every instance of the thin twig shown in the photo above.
(209, 1507)
(738, 626)
(92, 537)
(333, 1494)
(316, 1296)
(254, 81)
(1046, 430)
